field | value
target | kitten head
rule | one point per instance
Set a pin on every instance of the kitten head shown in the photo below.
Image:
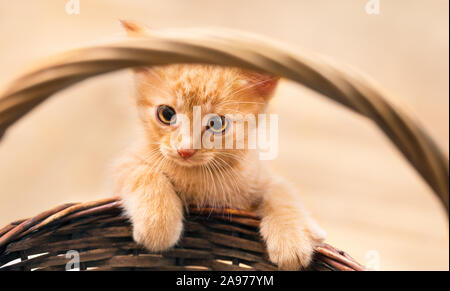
(199, 114)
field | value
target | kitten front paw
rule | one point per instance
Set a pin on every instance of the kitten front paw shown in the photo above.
(290, 248)
(157, 237)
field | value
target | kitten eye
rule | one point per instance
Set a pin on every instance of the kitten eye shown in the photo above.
(217, 124)
(166, 114)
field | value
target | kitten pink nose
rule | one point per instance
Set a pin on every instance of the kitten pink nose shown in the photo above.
(186, 153)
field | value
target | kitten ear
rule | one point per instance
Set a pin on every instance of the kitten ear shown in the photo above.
(263, 84)
(144, 78)
(132, 28)
(144, 74)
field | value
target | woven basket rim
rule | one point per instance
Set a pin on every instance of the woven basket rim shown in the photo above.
(21, 229)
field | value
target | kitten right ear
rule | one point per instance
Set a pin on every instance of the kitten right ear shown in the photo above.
(132, 28)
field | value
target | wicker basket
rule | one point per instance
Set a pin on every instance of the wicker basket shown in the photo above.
(214, 239)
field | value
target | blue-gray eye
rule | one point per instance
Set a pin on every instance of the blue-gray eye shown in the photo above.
(217, 124)
(165, 114)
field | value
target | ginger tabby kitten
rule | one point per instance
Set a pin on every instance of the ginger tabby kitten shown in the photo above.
(157, 180)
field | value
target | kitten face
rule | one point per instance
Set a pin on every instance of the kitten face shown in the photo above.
(182, 107)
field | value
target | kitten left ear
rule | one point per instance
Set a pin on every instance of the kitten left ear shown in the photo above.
(263, 84)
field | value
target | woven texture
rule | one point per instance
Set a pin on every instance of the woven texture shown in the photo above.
(214, 239)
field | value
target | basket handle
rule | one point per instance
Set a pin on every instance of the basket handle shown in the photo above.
(238, 49)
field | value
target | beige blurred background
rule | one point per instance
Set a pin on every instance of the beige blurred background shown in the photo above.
(368, 199)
